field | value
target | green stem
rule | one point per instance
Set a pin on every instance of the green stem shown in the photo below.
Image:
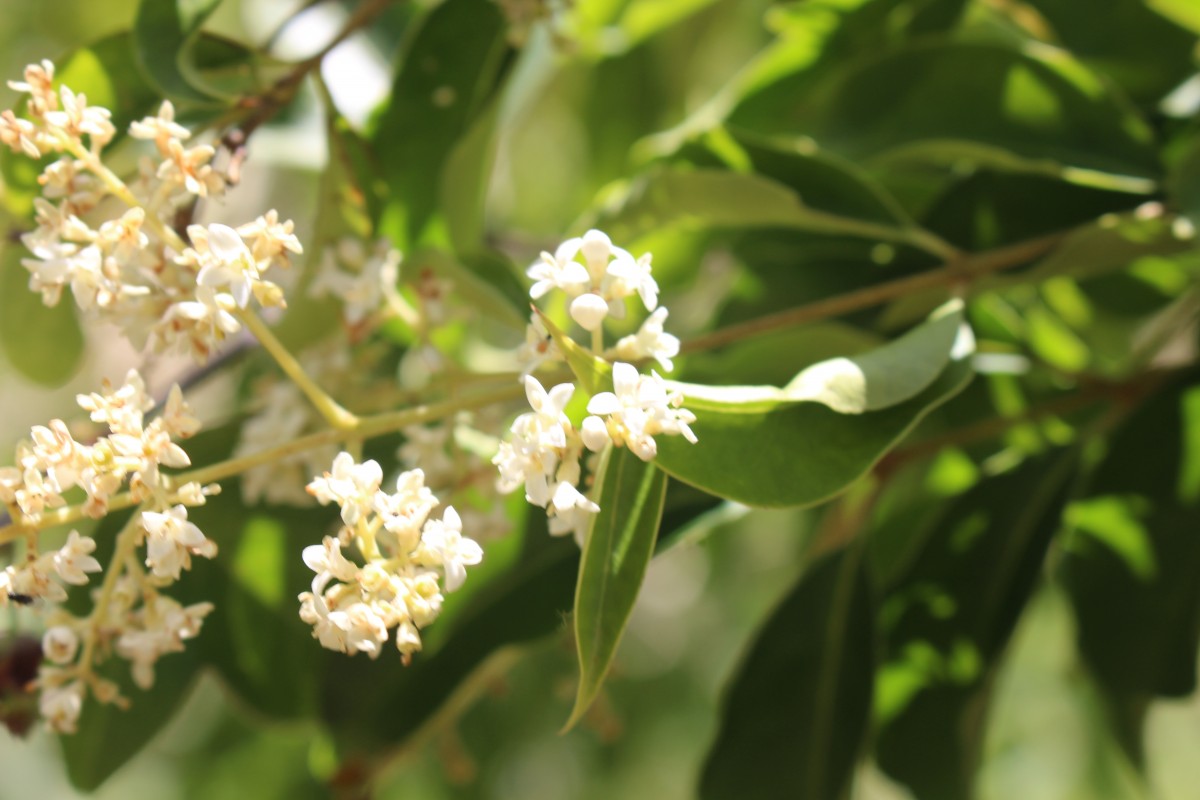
(126, 546)
(334, 414)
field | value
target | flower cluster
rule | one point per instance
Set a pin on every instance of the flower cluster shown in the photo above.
(124, 261)
(52, 461)
(361, 278)
(131, 616)
(544, 449)
(353, 607)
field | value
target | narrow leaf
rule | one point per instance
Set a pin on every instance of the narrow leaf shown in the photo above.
(615, 557)
(795, 715)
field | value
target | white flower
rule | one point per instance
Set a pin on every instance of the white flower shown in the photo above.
(60, 706)
(651, 341)
(160, 128)
(327, 561)
(59, 644)
(74, 559)
(443, 540)
(640, 408)
(171, 541)
(559, 271)
(352, 486)
(228, 262)
(166, 626)
(589, 310)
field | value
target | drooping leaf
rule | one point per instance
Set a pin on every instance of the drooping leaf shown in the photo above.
(793, 454)
(795, 715)
(164, 32)
(948, 616)
(617, 552)
(1130, 569)
(453, 67)
(43, 343)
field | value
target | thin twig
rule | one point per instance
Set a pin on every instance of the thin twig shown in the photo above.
(961, 271)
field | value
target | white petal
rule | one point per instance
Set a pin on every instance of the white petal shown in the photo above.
(589, 310)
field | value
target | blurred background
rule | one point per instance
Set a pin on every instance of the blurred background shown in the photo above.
(1045, 741)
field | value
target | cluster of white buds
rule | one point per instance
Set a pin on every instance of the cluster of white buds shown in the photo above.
(125, 261)
(353, 607)
(361, 278)
(133, 617)
(544, 449)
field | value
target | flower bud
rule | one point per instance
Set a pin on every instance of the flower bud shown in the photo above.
(589, 310)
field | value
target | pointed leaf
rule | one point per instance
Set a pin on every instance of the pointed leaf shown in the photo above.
(796, 454)
(615, 557)
(794, 718)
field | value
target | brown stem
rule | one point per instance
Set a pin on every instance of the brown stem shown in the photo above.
(263, 107)
(960, 271)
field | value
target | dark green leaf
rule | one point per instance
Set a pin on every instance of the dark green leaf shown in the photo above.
(164, 32)
(1133, 556)
(946, 620)
(44, 344)
(616, 554)
(794, 718)
(796, 454)
(1140, 50)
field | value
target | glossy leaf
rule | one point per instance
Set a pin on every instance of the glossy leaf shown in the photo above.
(948, 616)
(803, 453)
(43, 343)
(617, 552)
(795, 715)
(164, 32)
(1130, 571)
(453, 67)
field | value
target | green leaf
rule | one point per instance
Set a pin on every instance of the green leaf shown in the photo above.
(948, 616)
(44, 344)
(108, 737)
(616, 554)
(794, 717)
(1181, 12)
(710, 198)
(452, 71)
(1137, 48)
(164, 32)
(1130, 572)
(803, 452)
(1025, 110)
